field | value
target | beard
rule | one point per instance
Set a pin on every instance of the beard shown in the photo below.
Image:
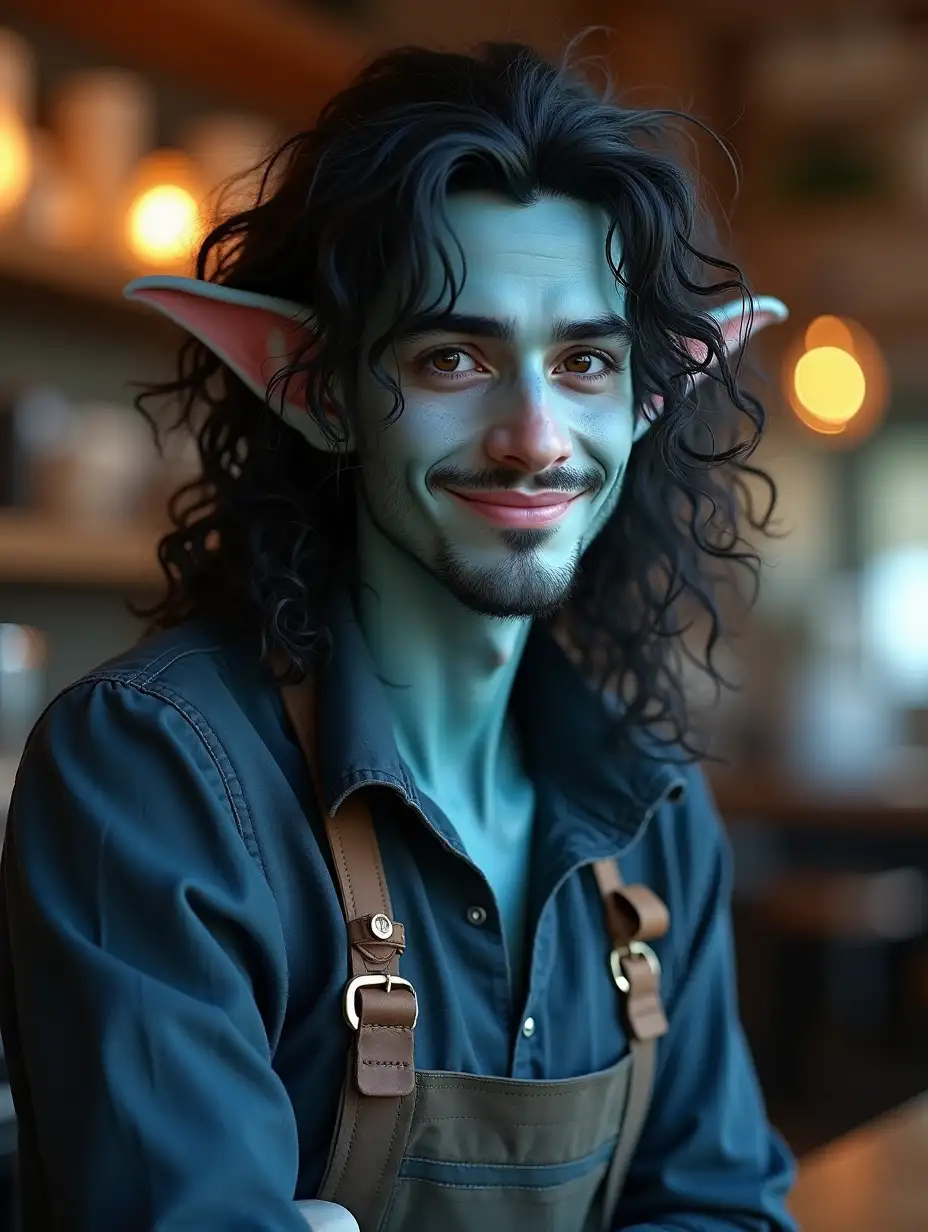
(521, 583)
(521, 586)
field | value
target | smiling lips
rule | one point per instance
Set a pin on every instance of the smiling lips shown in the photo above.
(518, 509)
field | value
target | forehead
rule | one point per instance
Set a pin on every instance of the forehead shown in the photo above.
(530, 264)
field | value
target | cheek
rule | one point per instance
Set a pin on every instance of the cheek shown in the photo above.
(608, 502)
(427, 431)
(609, 440)
(607, 434)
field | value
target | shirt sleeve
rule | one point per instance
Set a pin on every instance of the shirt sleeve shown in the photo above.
(140, 968)
(708, 1160)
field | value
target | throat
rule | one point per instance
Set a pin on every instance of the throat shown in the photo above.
(448, 674)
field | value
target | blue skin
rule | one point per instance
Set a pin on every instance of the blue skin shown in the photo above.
(533, 389)
(447, 597)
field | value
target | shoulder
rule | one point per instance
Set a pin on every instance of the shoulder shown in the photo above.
(182, 706)
(207, 681)
(191, 660)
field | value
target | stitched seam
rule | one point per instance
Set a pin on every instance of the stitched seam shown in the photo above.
(412, 1120)
(386, 1159)
(490, 1163)
(344, 868)
(144, 674)
(533, 1189)
(374, 856)
(370, 778)
(155, 669)
(347, 1154)
(387, 1064)
(199, 724)
(517, 1124)
(553, 1094)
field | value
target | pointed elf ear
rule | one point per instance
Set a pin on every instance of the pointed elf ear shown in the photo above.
(737, 324)
(255, 336)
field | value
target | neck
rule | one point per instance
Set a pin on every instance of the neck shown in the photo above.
(448, 671)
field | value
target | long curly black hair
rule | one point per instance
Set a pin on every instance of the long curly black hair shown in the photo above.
(259, 538)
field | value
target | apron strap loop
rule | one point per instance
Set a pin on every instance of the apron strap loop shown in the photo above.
(378, 1005)
(634, 916)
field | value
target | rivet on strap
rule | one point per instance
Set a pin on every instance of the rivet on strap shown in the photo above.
(378, 1004)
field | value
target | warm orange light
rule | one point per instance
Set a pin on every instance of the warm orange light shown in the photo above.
(163, 221)
(830, 384)
(163, 224)
(836, 378)
(829, 331)
(15, 161)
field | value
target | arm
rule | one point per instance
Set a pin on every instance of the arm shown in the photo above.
(138, 938)
(708, 1160)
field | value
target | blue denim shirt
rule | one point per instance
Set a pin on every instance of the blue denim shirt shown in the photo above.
(173, 954)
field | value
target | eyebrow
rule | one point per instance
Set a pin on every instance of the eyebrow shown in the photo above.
(607, 325)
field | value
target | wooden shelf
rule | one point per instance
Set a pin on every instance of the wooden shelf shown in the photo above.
(48, 552)
(86, 275)
(268, 55)
(769, 797)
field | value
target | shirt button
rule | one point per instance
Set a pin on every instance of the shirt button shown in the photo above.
(477, 916)
(528, 1028)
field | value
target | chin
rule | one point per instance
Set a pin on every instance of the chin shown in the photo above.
(520, 585)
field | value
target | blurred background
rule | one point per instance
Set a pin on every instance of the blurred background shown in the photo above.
(117, 124)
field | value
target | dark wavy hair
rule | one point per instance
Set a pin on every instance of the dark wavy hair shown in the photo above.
(261, 536)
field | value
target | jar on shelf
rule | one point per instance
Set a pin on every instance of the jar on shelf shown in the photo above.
(103, 121)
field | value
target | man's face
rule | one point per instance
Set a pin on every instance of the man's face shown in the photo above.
(518, 421)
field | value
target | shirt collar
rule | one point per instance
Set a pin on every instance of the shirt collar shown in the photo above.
(567, 733)
(569, 741)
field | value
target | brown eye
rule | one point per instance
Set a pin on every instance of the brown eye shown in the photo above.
(446, 361)
(579, 363)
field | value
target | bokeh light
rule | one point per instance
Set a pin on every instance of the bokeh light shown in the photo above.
(830, 384)
(164, 224)
(829, 331)
(835, 378)
(15, 161)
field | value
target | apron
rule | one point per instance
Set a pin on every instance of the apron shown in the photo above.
(430, 1151)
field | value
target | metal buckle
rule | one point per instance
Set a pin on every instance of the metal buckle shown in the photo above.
(623, 951)
(388, 981)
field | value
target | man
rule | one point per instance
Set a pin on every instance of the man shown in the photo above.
(313, 893)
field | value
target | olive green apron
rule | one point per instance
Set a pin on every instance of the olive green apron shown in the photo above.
(430, 1151)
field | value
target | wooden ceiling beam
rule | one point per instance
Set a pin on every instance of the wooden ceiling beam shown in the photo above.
(277, 61)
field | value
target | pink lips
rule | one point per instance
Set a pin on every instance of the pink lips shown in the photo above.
(518, 509)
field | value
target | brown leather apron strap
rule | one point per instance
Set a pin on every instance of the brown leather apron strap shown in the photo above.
(379, 1005)
(634, 916)
(367, 1150)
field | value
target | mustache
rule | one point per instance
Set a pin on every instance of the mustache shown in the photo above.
(570, 480)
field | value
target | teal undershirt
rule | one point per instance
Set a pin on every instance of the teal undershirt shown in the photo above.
(503, 855)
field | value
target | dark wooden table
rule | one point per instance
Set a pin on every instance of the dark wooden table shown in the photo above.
(874, 1180)
(773, 799)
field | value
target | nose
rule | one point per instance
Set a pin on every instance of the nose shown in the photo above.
(530, 438)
